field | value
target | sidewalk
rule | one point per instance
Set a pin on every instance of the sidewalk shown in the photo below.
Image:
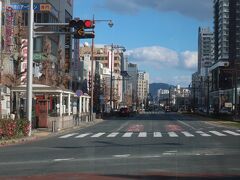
(38, 134)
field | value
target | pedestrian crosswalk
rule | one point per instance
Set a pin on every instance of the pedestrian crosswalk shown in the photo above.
(157, 134)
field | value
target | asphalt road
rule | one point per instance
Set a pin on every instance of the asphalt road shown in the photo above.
(166, 145)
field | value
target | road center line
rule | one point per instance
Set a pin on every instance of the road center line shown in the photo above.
(121, 155)
(65, 159)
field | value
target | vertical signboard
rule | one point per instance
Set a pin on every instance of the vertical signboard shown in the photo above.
(24, 61)
(9, 29)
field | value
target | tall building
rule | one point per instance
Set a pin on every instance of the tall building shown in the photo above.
(133, 73)
(205, 46)
(142, 87)
(205, 60)
(226, 54)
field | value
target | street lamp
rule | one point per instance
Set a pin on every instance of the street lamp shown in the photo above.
(113, 47)
(110, 24)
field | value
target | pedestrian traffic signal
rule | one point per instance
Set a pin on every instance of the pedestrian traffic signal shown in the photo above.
(80, 26)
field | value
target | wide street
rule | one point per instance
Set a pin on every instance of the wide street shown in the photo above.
(146, 145)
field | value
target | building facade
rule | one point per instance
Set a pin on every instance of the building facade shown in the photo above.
(52, 54)
(142, 88)
(225, 70)
(133, 73)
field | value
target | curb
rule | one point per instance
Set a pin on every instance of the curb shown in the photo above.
(48, 134)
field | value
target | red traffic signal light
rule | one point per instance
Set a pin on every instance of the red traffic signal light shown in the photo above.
(88, 24)
(84, 24)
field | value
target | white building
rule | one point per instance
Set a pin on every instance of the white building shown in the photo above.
(142, 87)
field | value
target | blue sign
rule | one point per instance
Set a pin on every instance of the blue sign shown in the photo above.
(25, 6)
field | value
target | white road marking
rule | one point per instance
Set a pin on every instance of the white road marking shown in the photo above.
(65, 159)
(121, 155)
(113, 134)
(232, 133)
(68, 135)
(187, 134)
(97, 135)
(168, 153)
(203, 133)
(217, 133)
(172, 134)
(157, 134)
(82, 135)
(186, 124)
(142, 134)
(128, 134)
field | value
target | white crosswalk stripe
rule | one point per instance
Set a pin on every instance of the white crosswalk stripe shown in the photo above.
(97, 135)
(113, 134)
(142, 134)
(172, 134)
(68, 135)
(232, 133)
(217, 133)
(128, 134)
(82, 135)
(187, 134)
(203, 134)
(157, 134)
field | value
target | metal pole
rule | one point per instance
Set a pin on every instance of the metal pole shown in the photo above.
(236, 105)
(111, 79)
(30, 66)
(207, 94)
(91, 115)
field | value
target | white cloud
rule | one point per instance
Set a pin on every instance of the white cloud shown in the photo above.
(156, 56)
(190, 59)
(160, 57)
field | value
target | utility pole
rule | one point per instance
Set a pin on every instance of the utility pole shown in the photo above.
(111, 78)
(30, 66)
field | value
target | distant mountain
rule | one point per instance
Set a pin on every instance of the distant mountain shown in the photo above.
(153, 88)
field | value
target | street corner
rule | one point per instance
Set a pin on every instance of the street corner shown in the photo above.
(16, 141)
(224, 123)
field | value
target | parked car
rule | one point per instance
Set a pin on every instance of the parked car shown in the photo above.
(225, 110)
(124, 111)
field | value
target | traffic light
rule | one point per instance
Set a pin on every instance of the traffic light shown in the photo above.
(80, 26)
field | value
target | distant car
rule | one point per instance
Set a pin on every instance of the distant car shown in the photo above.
(225, 111)
(124, 111)
(167, 109)
(211, 110)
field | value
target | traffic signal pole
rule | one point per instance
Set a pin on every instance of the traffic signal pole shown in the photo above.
(30, 67)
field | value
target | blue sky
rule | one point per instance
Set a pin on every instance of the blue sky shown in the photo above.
(159, 35)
